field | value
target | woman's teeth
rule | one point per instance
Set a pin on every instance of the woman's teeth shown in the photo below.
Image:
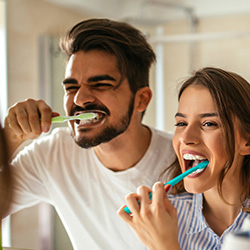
(193, 160)
(198, 171)
(193, 157)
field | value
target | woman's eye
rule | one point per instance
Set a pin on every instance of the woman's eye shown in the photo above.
(210, 124)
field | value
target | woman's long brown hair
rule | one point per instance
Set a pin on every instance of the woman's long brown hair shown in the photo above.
(231, 94)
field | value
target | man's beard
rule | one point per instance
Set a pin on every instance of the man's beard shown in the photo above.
(108, 133)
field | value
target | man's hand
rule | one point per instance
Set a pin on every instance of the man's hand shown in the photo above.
(27, 120)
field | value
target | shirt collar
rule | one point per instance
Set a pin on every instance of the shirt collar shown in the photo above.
(197, 222)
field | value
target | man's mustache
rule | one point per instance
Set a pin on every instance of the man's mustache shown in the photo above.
(89, 107)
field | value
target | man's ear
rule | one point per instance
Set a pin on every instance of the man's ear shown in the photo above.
(142, 98)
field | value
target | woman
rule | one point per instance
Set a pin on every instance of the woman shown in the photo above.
(213, 123)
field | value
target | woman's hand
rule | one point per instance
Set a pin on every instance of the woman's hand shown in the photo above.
(155, 223)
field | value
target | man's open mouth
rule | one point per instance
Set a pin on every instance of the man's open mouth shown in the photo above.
(99, 117)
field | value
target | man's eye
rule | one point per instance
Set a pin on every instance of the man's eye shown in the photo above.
(180, 124)
(102, 85)
(70, 89)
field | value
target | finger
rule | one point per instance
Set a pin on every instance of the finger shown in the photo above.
(11, 124)
(168, 205)
(158, 193)
(34, 119)
(132, 201)
(143, 193)
(54, 114)
(125, 216)
(22, 120)
(46, 114)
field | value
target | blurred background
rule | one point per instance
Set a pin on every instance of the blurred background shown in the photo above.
(185, 34)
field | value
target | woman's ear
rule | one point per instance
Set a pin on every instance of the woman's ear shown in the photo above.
(142, 98)
(245, 147)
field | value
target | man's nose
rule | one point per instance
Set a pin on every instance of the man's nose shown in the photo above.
(84, 96)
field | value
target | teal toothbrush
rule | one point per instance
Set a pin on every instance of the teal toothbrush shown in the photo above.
(83, 116)
(177, 179)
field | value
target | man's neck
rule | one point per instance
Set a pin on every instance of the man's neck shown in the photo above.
(125, 150)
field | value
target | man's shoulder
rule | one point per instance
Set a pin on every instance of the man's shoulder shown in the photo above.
(162, 135)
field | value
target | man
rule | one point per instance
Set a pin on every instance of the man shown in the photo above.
(107, 73)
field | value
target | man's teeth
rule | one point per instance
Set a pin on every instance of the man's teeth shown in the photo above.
(193, 157)
(92, 120)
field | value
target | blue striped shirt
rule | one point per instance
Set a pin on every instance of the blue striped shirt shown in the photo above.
(194, 233)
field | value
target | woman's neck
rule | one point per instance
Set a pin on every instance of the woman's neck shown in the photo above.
(221, 213)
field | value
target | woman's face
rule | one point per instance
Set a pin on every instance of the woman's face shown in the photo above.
(199, 136)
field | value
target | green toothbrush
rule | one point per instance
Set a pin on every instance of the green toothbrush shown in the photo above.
(83, 116)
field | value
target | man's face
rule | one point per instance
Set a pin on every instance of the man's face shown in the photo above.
(91, 84)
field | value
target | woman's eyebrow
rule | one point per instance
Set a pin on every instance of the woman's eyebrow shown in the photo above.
(212, 114)
(209, 115)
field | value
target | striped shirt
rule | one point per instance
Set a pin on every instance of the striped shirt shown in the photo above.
(194, 232)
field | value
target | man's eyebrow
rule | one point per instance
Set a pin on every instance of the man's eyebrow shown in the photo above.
(98, 78)
(69, 81)
(179, 114)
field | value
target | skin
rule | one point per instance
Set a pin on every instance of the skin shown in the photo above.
(198, 132)
(28, 119)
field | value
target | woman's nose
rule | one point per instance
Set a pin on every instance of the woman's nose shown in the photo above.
(84, 96)
(190, 136)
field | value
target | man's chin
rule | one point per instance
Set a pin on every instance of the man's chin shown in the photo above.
(104, 137)
(85, 142)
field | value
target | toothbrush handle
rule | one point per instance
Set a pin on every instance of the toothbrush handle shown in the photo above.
(58, 119)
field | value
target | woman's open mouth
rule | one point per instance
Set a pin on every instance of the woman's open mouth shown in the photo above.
(191, 160)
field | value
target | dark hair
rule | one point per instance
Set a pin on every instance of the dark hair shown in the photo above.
(134, 54)
(231, 94)
(5, 176)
